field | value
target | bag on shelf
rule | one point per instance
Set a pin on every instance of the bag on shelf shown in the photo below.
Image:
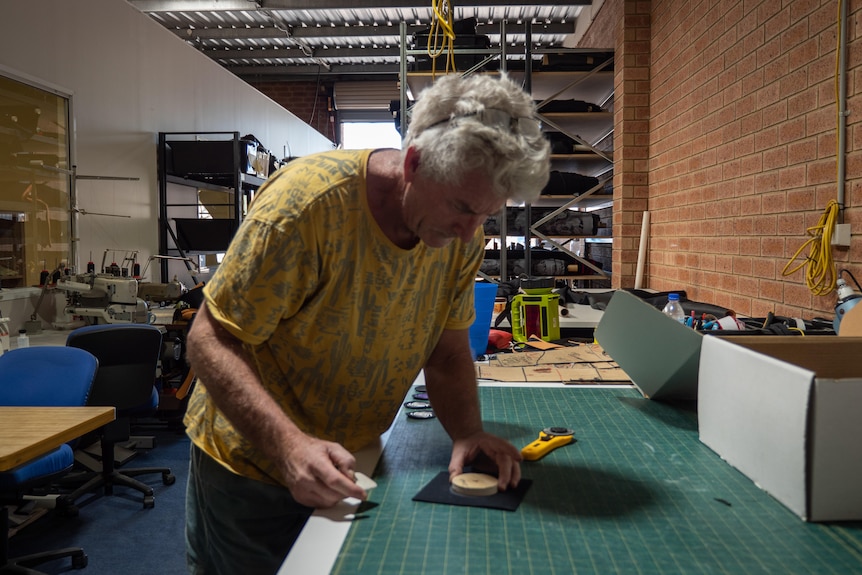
(569, 106)
(543, 262)
(490, 267)
(566, 223)
(575, 62)
(568, 184)
(550, 267)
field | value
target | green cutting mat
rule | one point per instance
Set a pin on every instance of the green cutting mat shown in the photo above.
(638, 493)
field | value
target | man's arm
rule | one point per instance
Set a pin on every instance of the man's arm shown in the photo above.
(318, 473)
(451, 381)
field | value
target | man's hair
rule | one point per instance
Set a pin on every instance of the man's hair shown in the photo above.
(461, 124)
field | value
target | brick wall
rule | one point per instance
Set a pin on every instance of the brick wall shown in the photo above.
(625, 25)
(743, 149)
(308, 101)
(739, 155)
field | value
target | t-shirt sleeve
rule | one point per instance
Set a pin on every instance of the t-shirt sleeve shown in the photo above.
(264, 277)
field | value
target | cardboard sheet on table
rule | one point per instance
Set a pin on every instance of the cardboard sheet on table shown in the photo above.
(438, 490)
(605, 372)
(539, 343)
(586, 353)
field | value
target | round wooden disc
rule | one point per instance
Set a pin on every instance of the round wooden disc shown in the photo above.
(474, 484)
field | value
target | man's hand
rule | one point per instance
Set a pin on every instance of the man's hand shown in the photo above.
(451, 381)
(320, 473)
(503, 454)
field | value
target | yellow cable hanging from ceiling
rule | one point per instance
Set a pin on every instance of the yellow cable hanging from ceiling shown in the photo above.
(441, 37)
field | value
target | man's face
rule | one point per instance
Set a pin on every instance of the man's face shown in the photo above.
(439, 214)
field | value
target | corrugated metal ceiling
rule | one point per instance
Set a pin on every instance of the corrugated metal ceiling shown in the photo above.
(282, 39)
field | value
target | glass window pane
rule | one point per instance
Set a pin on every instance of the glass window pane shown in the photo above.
(360, 135)
(35, 183)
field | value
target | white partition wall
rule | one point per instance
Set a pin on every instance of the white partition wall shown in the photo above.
(130, 79)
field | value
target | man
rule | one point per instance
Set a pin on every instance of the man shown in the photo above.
(353, 271)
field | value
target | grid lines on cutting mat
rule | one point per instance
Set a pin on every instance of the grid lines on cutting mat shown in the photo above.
(636, 493)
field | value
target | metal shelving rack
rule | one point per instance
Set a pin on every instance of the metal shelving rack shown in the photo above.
(587, 129)
(229, 179)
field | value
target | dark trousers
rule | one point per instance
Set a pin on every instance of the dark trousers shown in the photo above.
(235, 524)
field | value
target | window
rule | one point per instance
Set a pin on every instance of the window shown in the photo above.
(358, 135)
(35, 182)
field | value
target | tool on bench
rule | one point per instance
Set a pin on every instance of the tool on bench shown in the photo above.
(549, 439)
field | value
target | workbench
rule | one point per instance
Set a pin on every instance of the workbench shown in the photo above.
(637, 493)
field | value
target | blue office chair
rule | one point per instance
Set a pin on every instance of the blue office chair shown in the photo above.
(128, 357)
(40, 377)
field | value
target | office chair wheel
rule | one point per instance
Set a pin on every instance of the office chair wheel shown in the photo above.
(65, 507)
(149, 502)
(79, 561)
(169, 478)
(67, 511)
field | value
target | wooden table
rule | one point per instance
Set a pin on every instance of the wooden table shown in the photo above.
(28, 432)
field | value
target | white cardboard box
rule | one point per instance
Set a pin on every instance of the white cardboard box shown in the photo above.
(787, 412)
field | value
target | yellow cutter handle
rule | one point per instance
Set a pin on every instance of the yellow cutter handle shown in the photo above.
(544, 445)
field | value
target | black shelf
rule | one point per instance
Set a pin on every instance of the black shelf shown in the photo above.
(214, 162)
(217, 182)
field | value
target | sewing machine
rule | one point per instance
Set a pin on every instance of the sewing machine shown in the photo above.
(115, 295)
(103, 298)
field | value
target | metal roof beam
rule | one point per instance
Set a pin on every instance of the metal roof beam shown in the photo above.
(294, 72)
(224, 5)
(323, 53)
(354, 4)
(302, 32)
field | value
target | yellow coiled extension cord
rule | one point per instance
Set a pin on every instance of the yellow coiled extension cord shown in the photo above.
(820, 272)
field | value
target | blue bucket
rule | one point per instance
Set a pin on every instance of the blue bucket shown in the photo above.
(483, 299)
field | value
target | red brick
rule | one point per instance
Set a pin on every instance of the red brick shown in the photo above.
(764, 268)
(774, 202)
(802, 151)
(772, 247)
(772, 290)
(743, 265)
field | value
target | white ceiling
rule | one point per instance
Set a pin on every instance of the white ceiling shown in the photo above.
(290, 39)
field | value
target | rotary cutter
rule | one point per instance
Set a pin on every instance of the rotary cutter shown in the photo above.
(549, 439)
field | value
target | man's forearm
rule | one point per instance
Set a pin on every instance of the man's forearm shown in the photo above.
(453, 393)
(318, 473)
(222, 364)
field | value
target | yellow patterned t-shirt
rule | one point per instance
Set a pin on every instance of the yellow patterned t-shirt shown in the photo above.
(339, 320)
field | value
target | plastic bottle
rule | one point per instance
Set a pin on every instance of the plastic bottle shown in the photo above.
(847, 299)
(673, 308)
(23, 340)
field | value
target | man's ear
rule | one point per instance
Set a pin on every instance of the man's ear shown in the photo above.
(411, 164)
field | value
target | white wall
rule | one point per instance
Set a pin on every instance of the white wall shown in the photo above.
(130, 79)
